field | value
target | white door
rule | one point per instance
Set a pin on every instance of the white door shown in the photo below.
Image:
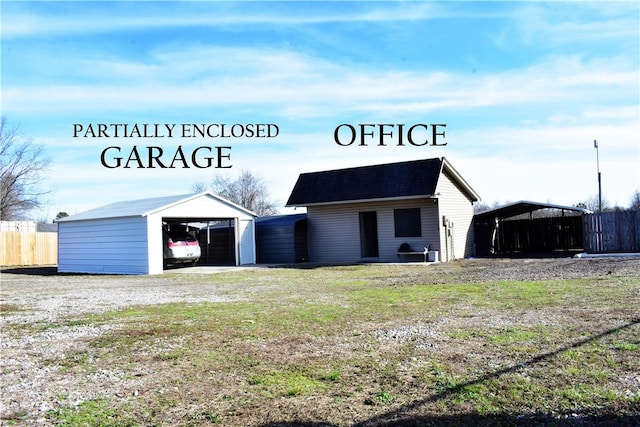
(246, 234)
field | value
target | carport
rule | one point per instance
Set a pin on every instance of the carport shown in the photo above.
(126, 237)
(527, 227)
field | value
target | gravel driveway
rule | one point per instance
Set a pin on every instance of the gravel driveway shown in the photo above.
(40, 296)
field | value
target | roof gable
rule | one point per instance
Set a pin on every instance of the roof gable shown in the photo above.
(459, 181)
(143, 207)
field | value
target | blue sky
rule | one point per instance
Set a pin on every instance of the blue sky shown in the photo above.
(523, 88)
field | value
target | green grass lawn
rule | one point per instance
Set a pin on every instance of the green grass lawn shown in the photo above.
(370, 345)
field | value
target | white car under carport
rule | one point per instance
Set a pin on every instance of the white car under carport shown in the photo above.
(179, 247)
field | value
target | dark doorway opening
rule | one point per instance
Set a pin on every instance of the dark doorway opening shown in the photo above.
(369, 234)
(300, 237)
(217, 240)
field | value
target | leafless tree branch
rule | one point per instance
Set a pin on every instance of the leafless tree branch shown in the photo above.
(246, 190)
(22, 168)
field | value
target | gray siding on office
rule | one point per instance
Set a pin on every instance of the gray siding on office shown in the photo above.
(117, 245)
(334, 230)
(458, 208)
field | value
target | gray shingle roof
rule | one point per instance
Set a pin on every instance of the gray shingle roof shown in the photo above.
(392, 180)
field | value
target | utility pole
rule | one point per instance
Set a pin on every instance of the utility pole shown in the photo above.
(595, 145)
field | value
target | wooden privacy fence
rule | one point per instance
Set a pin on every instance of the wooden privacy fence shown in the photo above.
(28, 248)
(617, 231)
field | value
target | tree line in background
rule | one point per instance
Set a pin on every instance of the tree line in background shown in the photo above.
(23, 165)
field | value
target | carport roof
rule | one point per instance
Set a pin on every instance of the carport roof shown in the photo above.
(143, 207)
(522, 207)
(280, 220)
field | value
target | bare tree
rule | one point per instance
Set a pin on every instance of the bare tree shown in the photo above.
(246, 190)
(61, 215)
(199, 187)
(480, 207)
(22, 165)
(593, 204)
(635, 200)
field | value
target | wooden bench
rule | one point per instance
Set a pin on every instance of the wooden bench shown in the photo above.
(405, 250)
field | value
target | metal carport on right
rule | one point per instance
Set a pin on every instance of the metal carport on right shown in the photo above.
(529, 228)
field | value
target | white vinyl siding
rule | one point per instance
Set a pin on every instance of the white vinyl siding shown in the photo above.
(458, 209)
(103, 246)
(334, 230)
(155, 245)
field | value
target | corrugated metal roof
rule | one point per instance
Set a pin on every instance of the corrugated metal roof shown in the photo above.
(522, 207)
(140, 207)
(280, 220)
(126, 208)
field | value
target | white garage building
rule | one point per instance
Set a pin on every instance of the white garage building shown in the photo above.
(126, 237)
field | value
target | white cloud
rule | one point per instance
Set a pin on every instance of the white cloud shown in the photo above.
(98, 18)
(286, 80)
(550, 25)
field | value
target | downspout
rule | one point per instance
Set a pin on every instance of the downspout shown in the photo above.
(446, 237)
